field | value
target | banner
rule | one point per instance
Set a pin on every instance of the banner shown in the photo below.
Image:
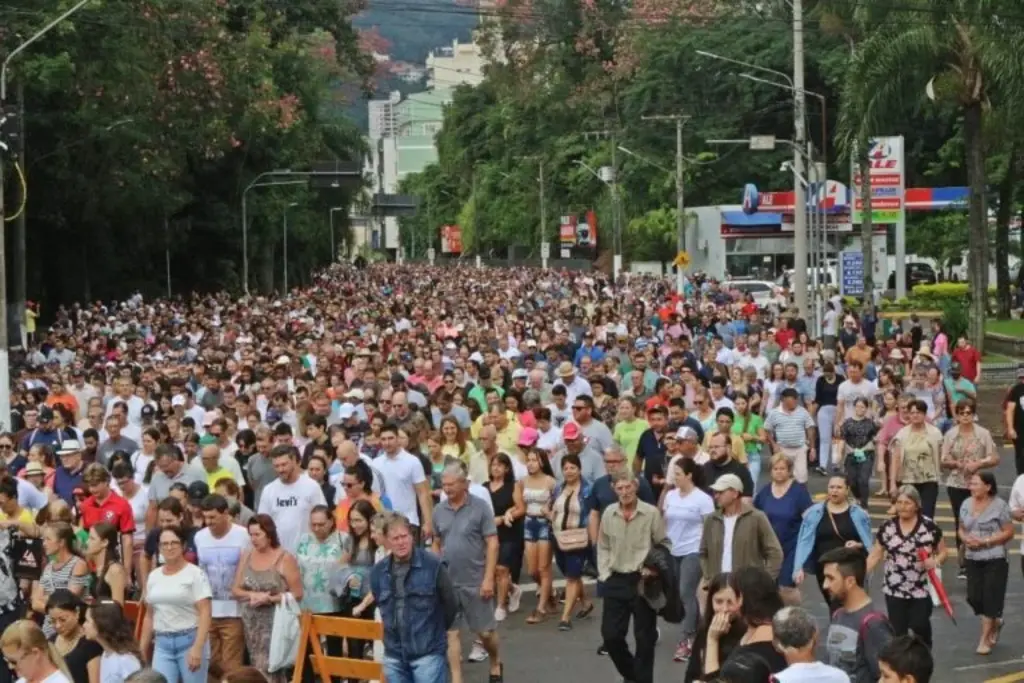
(887, 180)
(451, 239)
(567, 231)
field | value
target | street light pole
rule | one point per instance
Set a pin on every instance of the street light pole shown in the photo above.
(284, 217)
(680, 218)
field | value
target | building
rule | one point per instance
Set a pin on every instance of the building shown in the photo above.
(460, 64)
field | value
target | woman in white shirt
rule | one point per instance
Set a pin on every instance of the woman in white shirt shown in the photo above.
(685, 508)
(177, 622)
(105, 623)
(30, 655)
(137, 496)
(142, 458)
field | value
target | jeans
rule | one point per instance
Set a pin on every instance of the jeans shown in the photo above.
(688, 569)
(622, 602)
(826, 414)
(170, 657)
(426, 669)
(754, 465)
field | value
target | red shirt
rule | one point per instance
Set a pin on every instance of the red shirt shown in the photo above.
(785, 337)
(969, 359)
(114, 510)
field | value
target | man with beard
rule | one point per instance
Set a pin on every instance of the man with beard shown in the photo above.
(722, 463)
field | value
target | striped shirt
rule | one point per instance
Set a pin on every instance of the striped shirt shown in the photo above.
(789, 429)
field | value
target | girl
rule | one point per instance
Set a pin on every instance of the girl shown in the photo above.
(103, 554)
(538, 487)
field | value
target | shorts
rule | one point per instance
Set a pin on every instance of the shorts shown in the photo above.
(475, 613)
(572, 563)
(508, 553)
(536, 529)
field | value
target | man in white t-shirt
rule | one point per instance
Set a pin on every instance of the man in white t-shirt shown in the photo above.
(220, 545)
(289, 499)
(855, 386)
(404, 481)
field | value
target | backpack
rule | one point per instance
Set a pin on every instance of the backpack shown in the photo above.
(865, 621)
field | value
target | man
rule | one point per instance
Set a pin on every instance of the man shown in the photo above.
(724, 419)
(796, 638)
(906, 660)
(722, 463)
(45, 432)
(736, 535)
(480, 461)
(415, 631)
(82, 391)
(289, 499)
(467, 542)
(629, 530)
(628, 428)
(124, 393)
(753, 358)
(575, 386)
(209, 463)
(969, 359)
(855, 386)
(596, 432)
(169, 469)
(259, 469)
(577, 444)
(444, 407)
(115, 441)
(790, 430)
(858, 631)
(404, 481)
(68, 475)
(650, 449)
(958, 388)
(103, 505)
(220, 546)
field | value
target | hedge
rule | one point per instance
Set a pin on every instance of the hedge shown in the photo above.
(945, 290)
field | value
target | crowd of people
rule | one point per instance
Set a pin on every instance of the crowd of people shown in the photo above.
(409, 444)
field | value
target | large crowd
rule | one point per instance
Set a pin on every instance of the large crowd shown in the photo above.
(412, 444)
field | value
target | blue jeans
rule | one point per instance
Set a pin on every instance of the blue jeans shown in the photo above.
(170, 657)
(754, 465)
(426, 669)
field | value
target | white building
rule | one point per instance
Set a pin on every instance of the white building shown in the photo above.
(460, 64)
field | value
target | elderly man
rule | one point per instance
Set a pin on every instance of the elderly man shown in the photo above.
(796, 638)
(790, 430)
(629, 529)
(576, 443)
(467, 542)
(574, 385)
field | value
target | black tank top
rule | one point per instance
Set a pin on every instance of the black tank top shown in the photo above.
(503, 501)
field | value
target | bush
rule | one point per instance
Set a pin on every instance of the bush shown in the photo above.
(955, 318)
(945, 291)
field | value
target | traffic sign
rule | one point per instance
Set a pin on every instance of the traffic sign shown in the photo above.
(545, 250)
(681, 260)
(851, 265)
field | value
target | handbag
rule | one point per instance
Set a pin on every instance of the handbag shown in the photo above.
(284, 637)
(571, 539)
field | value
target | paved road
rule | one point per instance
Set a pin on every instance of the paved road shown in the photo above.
(541, 652)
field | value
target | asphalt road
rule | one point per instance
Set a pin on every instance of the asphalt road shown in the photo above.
(541, 652)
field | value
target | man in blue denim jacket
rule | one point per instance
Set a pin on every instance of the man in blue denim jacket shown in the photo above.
(417, 606)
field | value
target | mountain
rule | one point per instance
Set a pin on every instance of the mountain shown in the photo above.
(415, 27)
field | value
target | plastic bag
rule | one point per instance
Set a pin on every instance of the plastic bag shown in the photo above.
(837, 453)
(284, 638)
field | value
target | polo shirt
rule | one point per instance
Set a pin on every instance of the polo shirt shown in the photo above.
(114, 510)
(160, 484)
(463, 533)
(213, 477)
(65, 483)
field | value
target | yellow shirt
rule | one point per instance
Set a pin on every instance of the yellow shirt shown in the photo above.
(24, 517)
(213, 477)
(478, 424)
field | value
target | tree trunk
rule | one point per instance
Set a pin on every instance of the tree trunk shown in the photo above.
(866, 227)
(1006, 192)
(977, 272)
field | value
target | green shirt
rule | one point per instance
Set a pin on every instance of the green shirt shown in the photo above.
(477, 394)
(627, 436)
(750, 425)
(317, 564)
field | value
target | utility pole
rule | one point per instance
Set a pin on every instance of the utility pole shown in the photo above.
(167, 252)
(613, 184)
(680, 119)
(800, 144)
(20, 285)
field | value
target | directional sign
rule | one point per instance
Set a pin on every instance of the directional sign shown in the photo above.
(545, 250)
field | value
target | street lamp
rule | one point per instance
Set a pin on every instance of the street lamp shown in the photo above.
(245, 224)
(609, 179)
(284, 220)
(334, 251)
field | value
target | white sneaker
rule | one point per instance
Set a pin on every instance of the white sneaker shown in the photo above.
(478, 653)
(515, 596)
(500, 614)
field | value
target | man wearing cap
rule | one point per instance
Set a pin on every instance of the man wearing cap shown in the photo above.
(736, 535)
(590, 458)
(574, 384)
(68, 475)
(45, 432)
(103, 505)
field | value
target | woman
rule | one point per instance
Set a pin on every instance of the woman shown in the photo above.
(857, 440)
(178, 618)
(316, 468)
(826, 393)
(361, 554)
(916, 457)
(509, 509)
(319, 555)
(967, 448)
(81, 654)
(438, 461)
(685, 506)
(758, 599)
(453, 440)
(538, 489)
(105, 623)
(64, 570)
(834, 523)
(264, 575)
(784, 502)
(32, 658)
(704, 411)
(720, 631)
(171, 513)
(985, 529)
(891, 426)
(749, 427)
(137, 496)
(41, 454)
(146, 453)
(606, 407)
(568, 512)
(899, 542)
(103, 553)
(776, 380)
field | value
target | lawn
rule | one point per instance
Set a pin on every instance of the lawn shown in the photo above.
(1012, 328)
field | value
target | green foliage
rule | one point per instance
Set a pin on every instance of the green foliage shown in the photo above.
(955, 317)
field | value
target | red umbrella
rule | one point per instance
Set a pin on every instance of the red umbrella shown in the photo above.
(936, 585)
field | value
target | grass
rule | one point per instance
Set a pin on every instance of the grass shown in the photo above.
(1011, 328)
(996, 358)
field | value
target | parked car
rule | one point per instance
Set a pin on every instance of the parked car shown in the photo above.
(917, 274)
(762, 291)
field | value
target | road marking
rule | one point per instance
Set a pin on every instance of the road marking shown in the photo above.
(994, 665)
(1009, 678)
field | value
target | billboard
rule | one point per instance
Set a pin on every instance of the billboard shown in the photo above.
(886, 178)
(578, 230)
(451, 239)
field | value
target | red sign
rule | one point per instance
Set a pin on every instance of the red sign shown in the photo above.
(567, 231)
(880, 204)
(451, 239)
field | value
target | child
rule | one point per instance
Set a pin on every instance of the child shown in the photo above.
(906, 659)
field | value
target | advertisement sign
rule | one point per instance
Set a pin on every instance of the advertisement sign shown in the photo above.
(886, 178)
(451, 239)
(750, 198)
(851, 278)
(567, 231)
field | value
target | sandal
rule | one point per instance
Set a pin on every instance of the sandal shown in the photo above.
(585, 612)
(536, 617)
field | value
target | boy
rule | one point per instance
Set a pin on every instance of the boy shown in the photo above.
(906, 659)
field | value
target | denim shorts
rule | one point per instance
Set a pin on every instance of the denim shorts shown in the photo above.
(536, 529)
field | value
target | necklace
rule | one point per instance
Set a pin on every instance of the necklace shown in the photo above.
(65, 646)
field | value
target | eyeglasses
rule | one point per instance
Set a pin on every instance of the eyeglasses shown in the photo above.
(6, 447)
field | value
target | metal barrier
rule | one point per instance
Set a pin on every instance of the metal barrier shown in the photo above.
(314, 626)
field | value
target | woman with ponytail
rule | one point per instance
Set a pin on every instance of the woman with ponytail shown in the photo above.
(103, 553)
(34, 659)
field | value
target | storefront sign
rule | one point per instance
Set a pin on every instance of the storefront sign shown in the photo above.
(887, 180)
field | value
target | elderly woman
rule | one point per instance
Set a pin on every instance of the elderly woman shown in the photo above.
(900, 542)
(784, 501)
(916, 457)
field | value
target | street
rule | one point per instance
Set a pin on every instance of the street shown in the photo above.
(539, 652)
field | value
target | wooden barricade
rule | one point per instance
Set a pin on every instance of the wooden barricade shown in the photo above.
(135, 612)
(314, 626)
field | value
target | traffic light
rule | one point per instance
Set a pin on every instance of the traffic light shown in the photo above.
(10, 128)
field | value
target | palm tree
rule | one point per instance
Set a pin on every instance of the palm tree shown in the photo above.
(967, 54)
